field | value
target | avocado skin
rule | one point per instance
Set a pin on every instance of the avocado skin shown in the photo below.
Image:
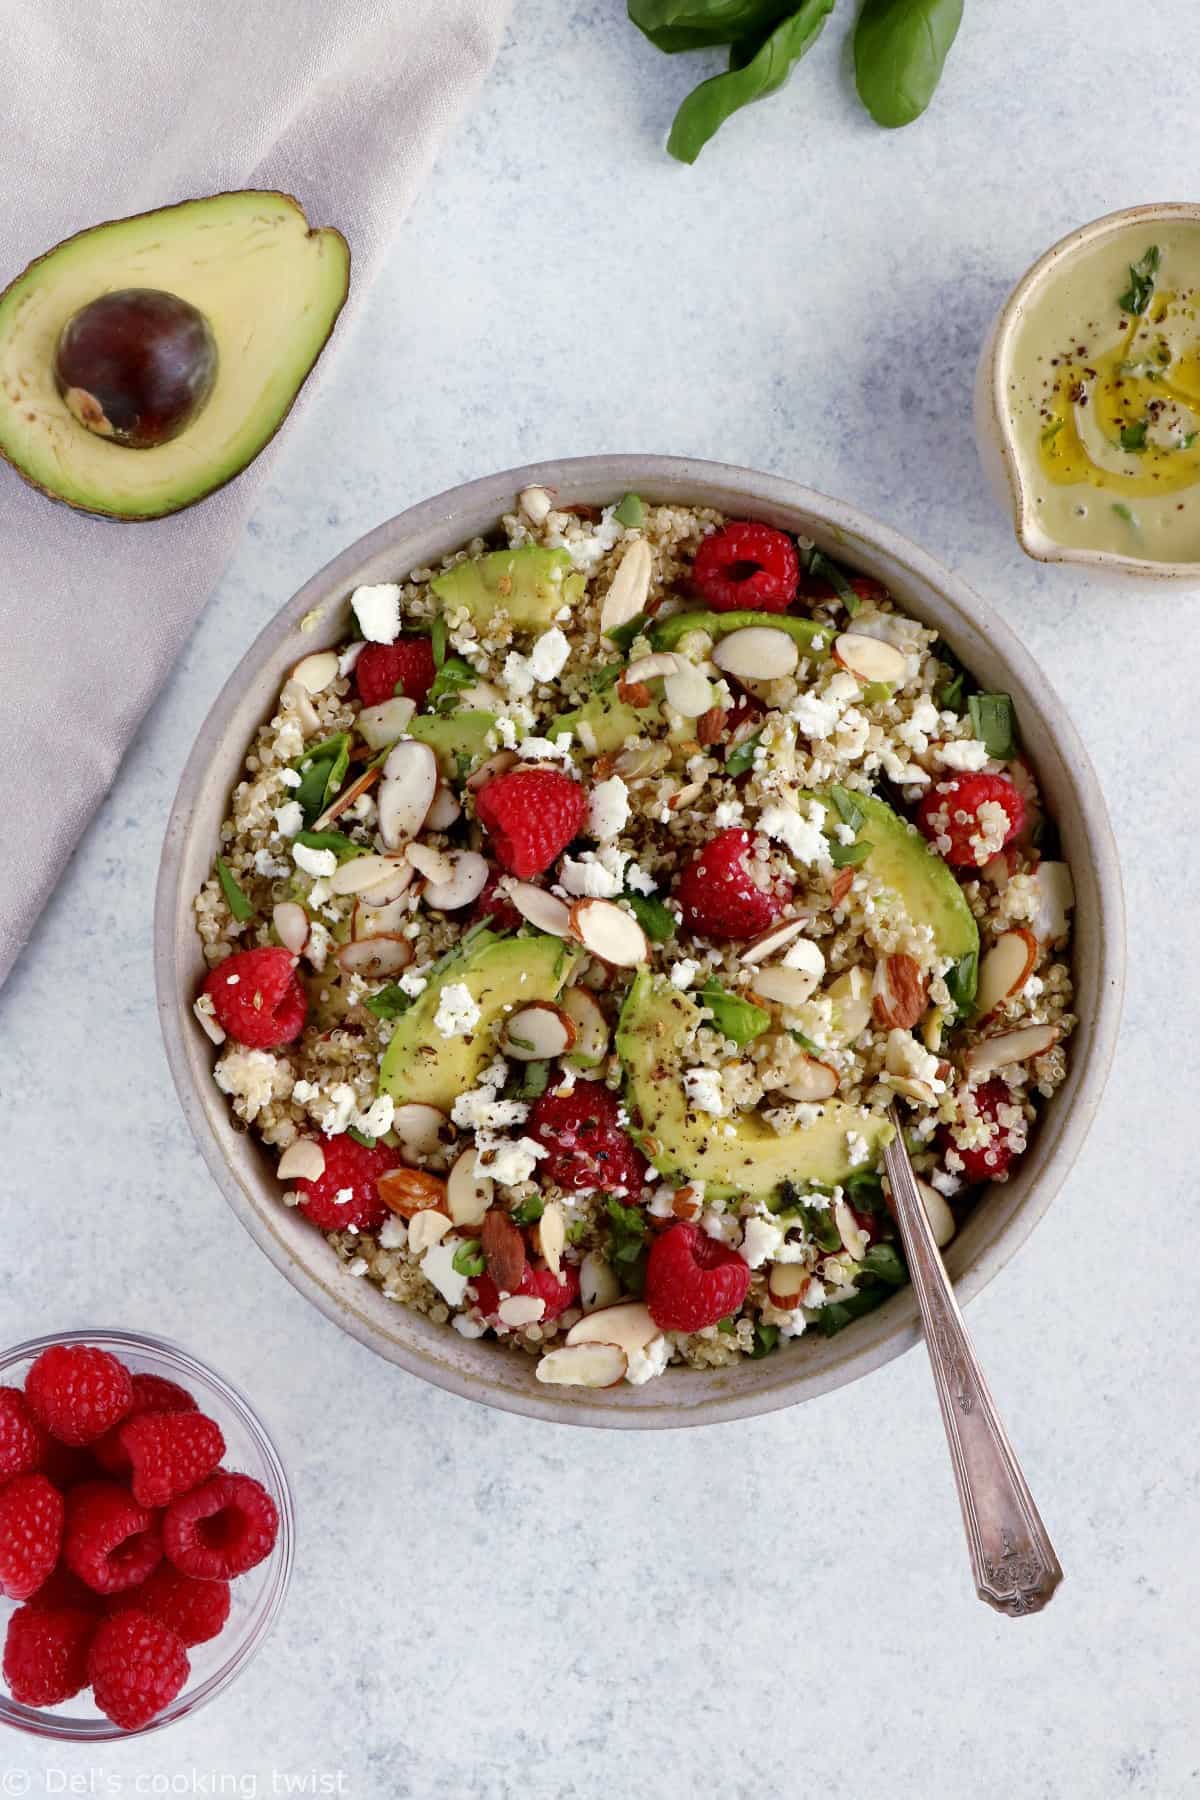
(530, 584)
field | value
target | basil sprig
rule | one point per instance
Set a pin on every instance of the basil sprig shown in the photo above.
(237, 902)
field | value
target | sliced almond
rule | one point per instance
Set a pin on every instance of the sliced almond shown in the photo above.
(779, 985)
(464, 884)
(536, 503)
(500, 764)
(537, 1033)
(583, 1365)
(346, 799)
(503, 1250)
(481, 696)
(651, 668)
(851, 996)
(551, 1231)
(686, 795)
(393, 885)
(910, 1087)
(638, 761)
(360, 874)
(591, 1028)
(435, 865)
(941, 1219)
(468, 1195)
(213, 1032)
(544, 910)
(420, 1129)
(1006, 968)
(379, 726)
(898, 992)
(291, 925)
(773, 939)
(811, 1081)
(609, 932)
(375, 958)
(993, 1053)
(302, 1161)
(379, 921)
(786, 1283)
(294, 698)
(848, 1229)
(426, 1229)
(520, 1310)
(628, 1325)
(446, 809)
(410, 779)
(1056, 896)
(869, 658)
(757, 653)
(410, 1191)
(598, 1284)
(688, 691)
(626, 597)
(314, 673)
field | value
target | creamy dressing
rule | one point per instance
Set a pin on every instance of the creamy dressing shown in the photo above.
(1104, 395)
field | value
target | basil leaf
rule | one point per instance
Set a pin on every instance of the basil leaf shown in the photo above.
(766, 1337)
(623, 635)
(821, 1226)
(848, 856)
(235, 900)
(454, 675)
(737, 1019)
(849, 811)
(820, 566)
(630, 512)
(322, 771)
(864, 1190)
(706, 109)
(742, 757)
(607, 677)
(962, 981)
(627, 1230)
(674, 25)
(835, 1317)
(360, 1137)
(577, 1230)
(900, 50)
(655, 918)
(535, 1079)
(529, 1211)
(884, 1262)
(388, 1003)
(1136, 297)
(344, 848)
(438, 636)
(994, 722)
(468, 1258)
(1133, 437)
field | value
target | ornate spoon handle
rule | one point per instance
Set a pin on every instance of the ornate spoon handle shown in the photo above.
(1012, 1558)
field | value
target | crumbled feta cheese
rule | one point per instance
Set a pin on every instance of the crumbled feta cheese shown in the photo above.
(289, 778)
(944, 1182)
(649, 1361)
(704, 1091)
(303, 1091)
(437, 1266)
(358, 1265)
(961, 753)
(377, 610)
(413, 983)
(684, 972)
(507, 1161)
(761, 1240)
(858, 1151)
(637, 879)
(457, 1014)
(468, 1327)
(801, 837)
(584, 876)
(815, 717)
(314, 862)
(517, 678)
(377, 1118)
(608, 808)
(270, 866)
(393, 1233)
(549, 655)
(728, 813)
(289, 819)
(480, 1110)
(343, 1104)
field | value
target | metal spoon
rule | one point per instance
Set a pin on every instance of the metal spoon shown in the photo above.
(1012, 1558)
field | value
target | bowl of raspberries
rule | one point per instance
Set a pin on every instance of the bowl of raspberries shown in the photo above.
(145, 1534)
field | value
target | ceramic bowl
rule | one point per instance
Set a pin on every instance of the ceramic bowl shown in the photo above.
(993, 430)
(483, 1370)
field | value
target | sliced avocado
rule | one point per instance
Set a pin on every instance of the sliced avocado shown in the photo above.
(740, 1155)
(458, 740)
(270, 290)
(531, 585)
(719, 624)
(908, 864)
(605, 723)
(498, 973)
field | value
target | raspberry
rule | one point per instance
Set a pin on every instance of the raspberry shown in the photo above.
(405, 667)
(221, 1529)
(258, 997)
(66, 1465)
(588, 1147)
(62, 1589)
(495, 906)
(169, 1453)
(531, 815)
(949, 815)
(345, 1193)
(558, 1291)
(692, 1280)
(45, 1653)
(747, 565)
(23, 1443)
(31, 1533)
(719, 895)
(77, 1392)
(151, 1393)
(136, 1666)
(110, 1541)
(984, 1162)
(196, 1611)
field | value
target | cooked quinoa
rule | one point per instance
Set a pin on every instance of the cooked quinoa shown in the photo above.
(787, 758)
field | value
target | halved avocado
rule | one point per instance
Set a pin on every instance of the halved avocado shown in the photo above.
(605, 723)
(458, 740)
(270, 289)
(739, 1155)
(531, 584)
(908, 864)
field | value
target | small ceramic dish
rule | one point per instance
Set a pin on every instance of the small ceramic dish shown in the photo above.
(1007, 470)
(483, 1369)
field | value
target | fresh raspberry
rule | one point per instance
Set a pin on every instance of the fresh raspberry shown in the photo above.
(31, 1534)
(78, 1392)
(22, 1440)
(221, 1529)
(949, 815)
(345, 1193)
(136, 1666)
(196, 1611)
(110, 1541)
(169, 1453)
(719, 895)
(985, 1162)
(258, 997)
(151, 1393)
(558, 1291)
(531, 815)
(587, 1146)
(62, 1589)
(496, 906)
(66, 1465)
(747, 565)
(405, 667)
(45, 1653)
(692, 1280)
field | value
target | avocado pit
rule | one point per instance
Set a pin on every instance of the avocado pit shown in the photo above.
(136, 366)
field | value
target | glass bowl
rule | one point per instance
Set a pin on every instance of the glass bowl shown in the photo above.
(256, 1596)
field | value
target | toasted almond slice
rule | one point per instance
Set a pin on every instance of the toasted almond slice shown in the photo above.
(869, 658)
(786, 1283)
(392, 886)
(537, 1033)
(598, 1284)
(435, 865)
(851, 996)
(375, 958)
(207, 1022)
(941, 1219)
(686, 795)
(757, 653)
(1006, 968)
(445, 810)
(626, 597)
(500, 764)
(652, 668)
(410, 778)
(291, 926)
(779, 985)
(314, 673)
(542, 909)
(610, 933)
(899, 993)
(1056, 897)
(536, 503)
(468, 1195)
(362, 873)
(628, 1325)
(551, 1231)
(813, 1081)
(848, 1228)
(1010, 1047)
(302, 1161)
(412, 1191)
(503, 1250)
(774, 939)
(911, 1088)
(688, 690)
(294, 697)
(425, 1230)
(346, 799)
(466, 881)
(583, 1365)
(421, 1130)
(521, 1309)
(381, 725)
(379, 921)
(591, 1028)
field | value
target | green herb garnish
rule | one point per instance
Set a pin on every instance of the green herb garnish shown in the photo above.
(1124, 512)
(883, 1261)
(577, 1231)
(1136, 297)
(848, 856)
(1052, 431)
(820, 566)
(806, 1043)
(848, 809)
(653, 915)
(438, 640)
(344, 848)
(766, 1337)
(388, 1003)
(876, 692)
(235, 900)
(468, 1259)
(607, 677)
(322, 771)
(728, 1326)
(630, 511)
(535, 1079)
(741, 757)
(962, 980)
(739, 1020)
(529, 1211)
(821, 1226)
(627, 1245)
(1133, 437)
(360, 1137)
(623, 635)
(994, 722)
(454, 675)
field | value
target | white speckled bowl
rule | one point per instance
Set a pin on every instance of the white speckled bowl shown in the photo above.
(993, 428)
(484, 1370)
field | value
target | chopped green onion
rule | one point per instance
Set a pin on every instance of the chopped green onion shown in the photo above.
(468, 1258)
(529, 1211)
(438, 637)
(235, 900)
(742, 757)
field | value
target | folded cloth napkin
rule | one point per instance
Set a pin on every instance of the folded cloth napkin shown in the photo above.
(114, 109)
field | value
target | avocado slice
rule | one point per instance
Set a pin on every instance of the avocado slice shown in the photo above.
(719, 624)
(907, 863)
(605, 723)
(531, 585)
(458, 740)
(740, 1155)
(498, 973)
(271, 290)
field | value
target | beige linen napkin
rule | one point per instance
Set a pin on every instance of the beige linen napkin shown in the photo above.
(111, 110)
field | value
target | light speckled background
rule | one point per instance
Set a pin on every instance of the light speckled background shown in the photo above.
(485, 1606)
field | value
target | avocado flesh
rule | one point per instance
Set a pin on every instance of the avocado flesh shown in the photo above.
(271, 290)
(605, 723)
(531, 585)
(719, 624)
(908, 864)
(499, 973)
(454, 735)
(740, 1155)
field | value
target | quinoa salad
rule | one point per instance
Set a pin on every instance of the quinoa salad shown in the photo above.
(582, 921)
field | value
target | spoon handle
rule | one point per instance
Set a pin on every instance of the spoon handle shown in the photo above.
(1012, 1558)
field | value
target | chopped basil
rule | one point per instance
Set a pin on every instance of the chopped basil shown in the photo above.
(727, 1326)
(1133, 437)
(821, 1226)
(1187, 442)
(994, 721)
(739, 1020)
(388, 1003)
(847, 856)
(529, 1211)
(848, 809)
(630, 511)
(627, 1245)
(454, 675)
(884, 1262)
(741, 757)
(576, 1230)
(535, 1079)
(819, 565)
(653, 915)
(766, 1337)
(360, 1137)
(805, 1043)
(623, 635)
(1136, 297)
(950, 695)
(607, 677)
(438, 637)
(322, 771)
(864, 1190)
(344, 848)
(468, 1258)
(962, 980)
(839, 1313)
(235, 900)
